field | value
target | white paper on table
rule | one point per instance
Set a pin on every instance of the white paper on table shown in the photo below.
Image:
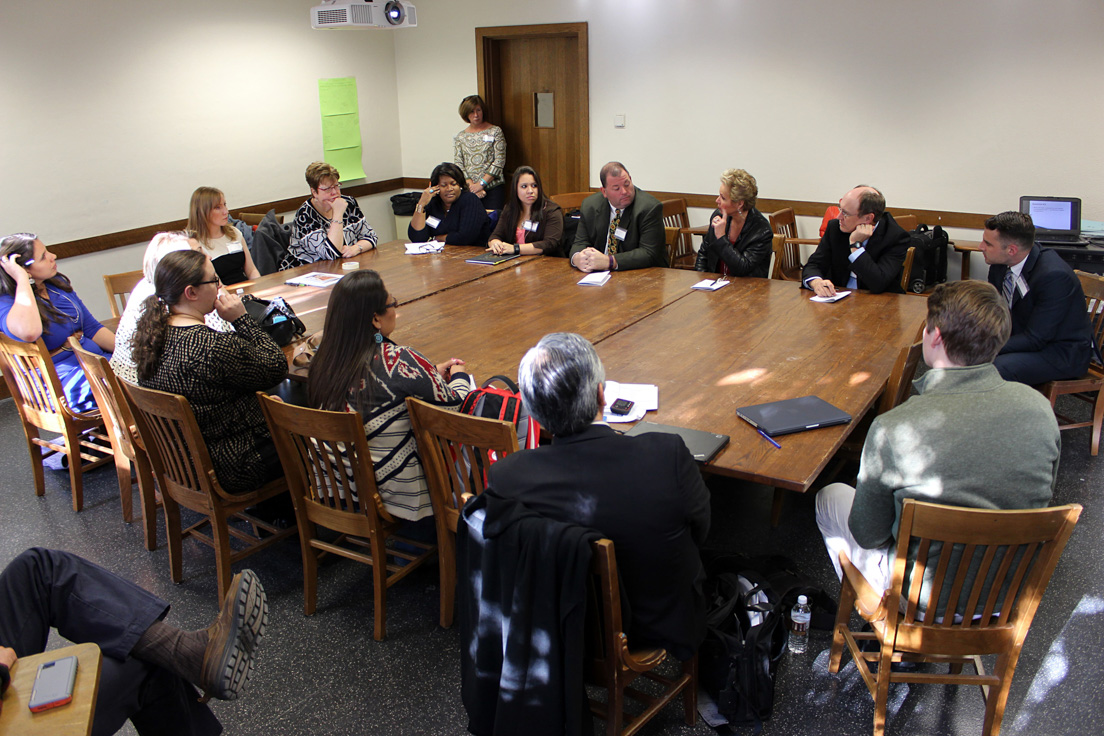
(645, 398)
(414, 249)
(710, 285)
(598, 278)
(829, 299)
(315, 278)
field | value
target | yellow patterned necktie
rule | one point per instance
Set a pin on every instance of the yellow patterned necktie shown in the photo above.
(611, 242)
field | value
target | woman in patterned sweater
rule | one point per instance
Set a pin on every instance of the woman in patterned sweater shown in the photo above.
(358, 368)
(329, 225)
(480, 151)
(217, 372)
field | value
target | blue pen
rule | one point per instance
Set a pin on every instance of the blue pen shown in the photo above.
(768, 438)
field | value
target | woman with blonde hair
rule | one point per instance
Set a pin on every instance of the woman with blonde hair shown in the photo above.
(738, 242)
(122, 360)
(209, 224)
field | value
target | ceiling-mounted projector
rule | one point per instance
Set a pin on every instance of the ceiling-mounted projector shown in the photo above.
(364, 14)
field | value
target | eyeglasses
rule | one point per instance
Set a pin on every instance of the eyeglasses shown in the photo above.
(330, 188)
(393, 304)
(844, 213)
(215, 280)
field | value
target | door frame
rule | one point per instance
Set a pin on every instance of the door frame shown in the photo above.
(485, 63)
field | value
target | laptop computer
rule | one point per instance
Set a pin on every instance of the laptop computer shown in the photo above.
(1057, 219)
(792, 415)
(490, 259)
(704, 446)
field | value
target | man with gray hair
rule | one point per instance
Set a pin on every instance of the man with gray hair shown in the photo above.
(645, 492)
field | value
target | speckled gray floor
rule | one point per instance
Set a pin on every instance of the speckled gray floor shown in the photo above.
(325, 674)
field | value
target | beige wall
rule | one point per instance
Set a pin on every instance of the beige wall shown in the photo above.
(112, 113)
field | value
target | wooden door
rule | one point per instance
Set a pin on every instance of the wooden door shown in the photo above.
(515, 63)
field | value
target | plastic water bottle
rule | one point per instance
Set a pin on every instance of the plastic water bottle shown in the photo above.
(799, 629)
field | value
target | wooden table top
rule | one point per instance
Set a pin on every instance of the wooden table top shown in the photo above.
(74, 718)
(709, 352)
(757, 341)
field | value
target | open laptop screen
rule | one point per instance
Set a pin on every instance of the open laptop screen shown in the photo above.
(1053, 215)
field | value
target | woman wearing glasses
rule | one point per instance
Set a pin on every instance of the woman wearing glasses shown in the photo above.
(217, 372)
(358, 367)
(37, 301)
(328, 225)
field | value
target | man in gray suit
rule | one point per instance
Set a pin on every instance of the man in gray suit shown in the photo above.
(621, 228)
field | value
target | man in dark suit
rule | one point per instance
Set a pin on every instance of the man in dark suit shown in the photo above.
(863, 248)
(645, 493)
(1051, 336)
(619, 229)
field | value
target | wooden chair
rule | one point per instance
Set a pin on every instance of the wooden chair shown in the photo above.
(333, 485)
(977, 619)
(571, 200)
(613, 665)
(456, 450)
(778, 255)
(176, 449)
(907, 222)
(128, 450)
(682, 254)
(1088, 388)
(119, 286)
(34, 384)
(251, 218)
(784, 223)
(906, 269)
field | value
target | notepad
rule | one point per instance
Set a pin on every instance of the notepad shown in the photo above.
(710, 284)
(829, 299)
(414, 249)
(315, 278)
(598, 278)
(490, 259)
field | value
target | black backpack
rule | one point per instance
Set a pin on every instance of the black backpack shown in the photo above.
(929, 265)
(747, 621)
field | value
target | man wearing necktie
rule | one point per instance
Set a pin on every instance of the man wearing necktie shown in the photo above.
(863, 248)
(1051, 336)
(620, 228)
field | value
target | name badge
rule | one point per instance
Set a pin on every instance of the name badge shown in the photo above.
(529, 226)
(488, 138)
(433, 221)
(233, 247)
(620, 233)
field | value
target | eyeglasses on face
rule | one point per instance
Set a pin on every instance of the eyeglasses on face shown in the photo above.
(330, 188)
(215, 280)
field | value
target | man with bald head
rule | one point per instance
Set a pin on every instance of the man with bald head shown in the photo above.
(620, 228)
(863, 248)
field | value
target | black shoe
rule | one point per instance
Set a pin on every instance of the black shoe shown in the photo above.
(232, 639)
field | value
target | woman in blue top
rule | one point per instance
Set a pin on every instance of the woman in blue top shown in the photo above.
(37, 301)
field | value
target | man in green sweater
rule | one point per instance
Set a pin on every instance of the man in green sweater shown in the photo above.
(969, 439)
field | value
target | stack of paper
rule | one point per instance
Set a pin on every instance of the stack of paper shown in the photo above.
(645, 398)
(315, 278)
(433, 246)
(598, 278)
(829, 299)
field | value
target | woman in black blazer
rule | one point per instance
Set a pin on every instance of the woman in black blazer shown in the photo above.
(738, 242)
(530, 223)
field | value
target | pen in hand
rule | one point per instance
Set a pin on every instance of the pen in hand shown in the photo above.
(768, 438)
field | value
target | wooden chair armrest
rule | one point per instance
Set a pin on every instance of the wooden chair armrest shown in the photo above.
(869, 602)
(804, 241)
(642, 660)
(694, 230)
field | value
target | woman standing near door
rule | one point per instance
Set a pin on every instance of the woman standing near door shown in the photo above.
(480, 151)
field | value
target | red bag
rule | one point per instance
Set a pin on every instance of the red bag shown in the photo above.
(491, 402)
(829, 214)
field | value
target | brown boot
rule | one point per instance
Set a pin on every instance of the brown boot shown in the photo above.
(228, 658)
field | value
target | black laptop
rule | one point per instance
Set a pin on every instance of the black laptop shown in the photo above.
(793, 415)
(704, 446)
(1057, 219)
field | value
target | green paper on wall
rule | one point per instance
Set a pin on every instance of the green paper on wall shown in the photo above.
(337, 96)
(347, 161)
(340, 131)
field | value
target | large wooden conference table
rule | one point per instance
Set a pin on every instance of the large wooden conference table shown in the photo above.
(753, 341)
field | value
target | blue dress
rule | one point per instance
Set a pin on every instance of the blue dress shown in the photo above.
(76, 317)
